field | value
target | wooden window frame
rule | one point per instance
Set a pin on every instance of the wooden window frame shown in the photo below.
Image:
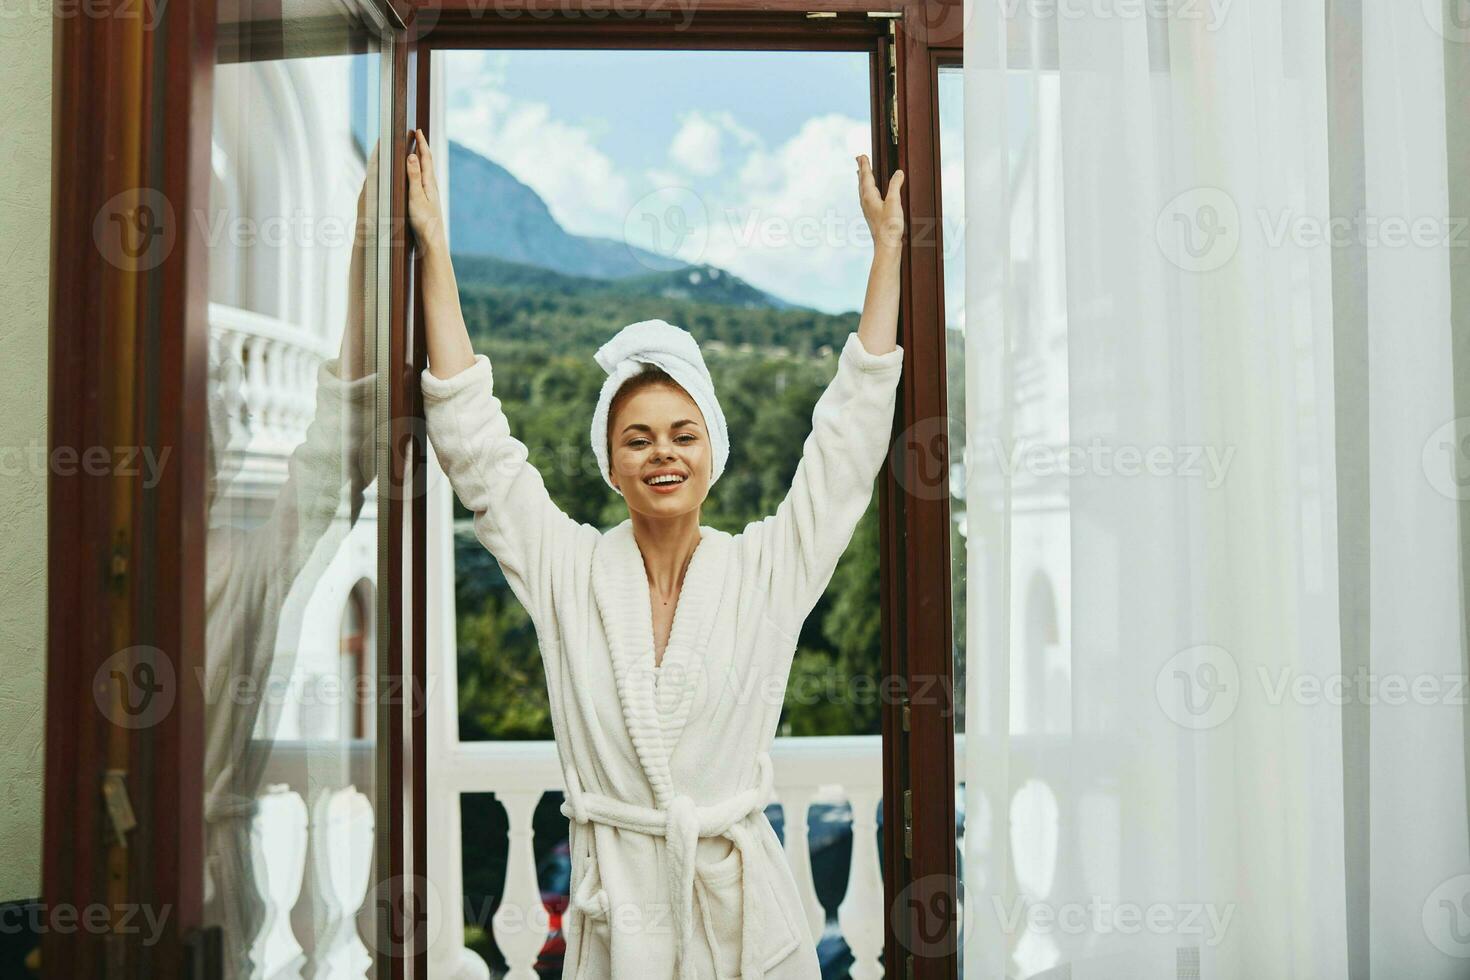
(128, 368)
(129, 360)
(918, 728)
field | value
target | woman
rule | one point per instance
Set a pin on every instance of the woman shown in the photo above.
(666, 644)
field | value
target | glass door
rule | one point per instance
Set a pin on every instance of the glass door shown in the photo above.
(231, 767)
(297, 540)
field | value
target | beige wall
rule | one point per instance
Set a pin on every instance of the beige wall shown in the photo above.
(25, 212)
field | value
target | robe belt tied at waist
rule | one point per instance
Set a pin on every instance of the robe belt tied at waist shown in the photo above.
(681, 823)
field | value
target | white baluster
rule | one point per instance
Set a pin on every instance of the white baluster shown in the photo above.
(274, 406)
(278, 852)
(294, 387)
(342, 845)
(520, 922)
(237, 393)
(257, 394)
(795, 808)
(861, 911)
(448, 956)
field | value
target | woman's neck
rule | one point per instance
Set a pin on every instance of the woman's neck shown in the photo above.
(667, 545)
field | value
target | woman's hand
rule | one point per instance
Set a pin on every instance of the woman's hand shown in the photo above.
(365, 231)
(424, 214)
(883, 214)
(450, 351)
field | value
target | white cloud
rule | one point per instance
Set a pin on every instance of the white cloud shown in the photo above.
(784, 218)
(696, 146)
(699, 145)
(745, 137)
(662, 178)
(794, 225)
(559, 160)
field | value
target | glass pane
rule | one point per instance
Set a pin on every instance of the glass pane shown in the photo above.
(716, 190)
(295, 553)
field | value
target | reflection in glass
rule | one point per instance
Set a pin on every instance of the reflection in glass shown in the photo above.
(293, 547)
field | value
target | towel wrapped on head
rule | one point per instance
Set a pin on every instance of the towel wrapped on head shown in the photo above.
(674, 350)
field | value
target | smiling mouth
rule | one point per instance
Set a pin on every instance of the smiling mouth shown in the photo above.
(665, 481)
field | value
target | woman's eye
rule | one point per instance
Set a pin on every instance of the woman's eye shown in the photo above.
(637, 443)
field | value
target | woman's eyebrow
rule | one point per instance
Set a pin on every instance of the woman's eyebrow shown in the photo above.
(643, 428)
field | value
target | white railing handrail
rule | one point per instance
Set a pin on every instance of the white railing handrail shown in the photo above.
(235, 320)
(815, 761)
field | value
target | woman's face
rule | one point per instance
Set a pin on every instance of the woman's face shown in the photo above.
(659, 432)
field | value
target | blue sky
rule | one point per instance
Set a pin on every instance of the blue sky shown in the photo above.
(741, 159)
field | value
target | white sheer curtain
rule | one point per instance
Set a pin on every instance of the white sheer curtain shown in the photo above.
(1213, 663)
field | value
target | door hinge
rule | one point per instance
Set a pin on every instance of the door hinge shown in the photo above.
(908, 823)
(905, 714)
(117, 566)
(119, 807)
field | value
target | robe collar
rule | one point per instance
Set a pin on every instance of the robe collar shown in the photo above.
(655, 719)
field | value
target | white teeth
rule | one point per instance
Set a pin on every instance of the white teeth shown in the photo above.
(668, 478)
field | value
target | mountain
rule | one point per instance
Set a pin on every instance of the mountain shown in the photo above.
(493, 213)
(503, 234)
(695, 283)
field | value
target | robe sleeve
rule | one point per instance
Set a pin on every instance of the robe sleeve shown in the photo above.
(800, 544)
(489, 469)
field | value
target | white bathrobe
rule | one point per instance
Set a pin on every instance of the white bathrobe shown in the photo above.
(675, 870)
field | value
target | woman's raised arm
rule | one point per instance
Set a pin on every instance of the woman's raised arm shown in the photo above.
(489, 469)
(878, 328)
(798, 547)
(444, 328)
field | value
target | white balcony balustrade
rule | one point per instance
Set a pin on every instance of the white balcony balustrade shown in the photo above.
(268, 395)
(808, 771)
(312, 815)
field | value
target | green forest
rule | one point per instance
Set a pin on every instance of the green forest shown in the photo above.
(769, 366)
